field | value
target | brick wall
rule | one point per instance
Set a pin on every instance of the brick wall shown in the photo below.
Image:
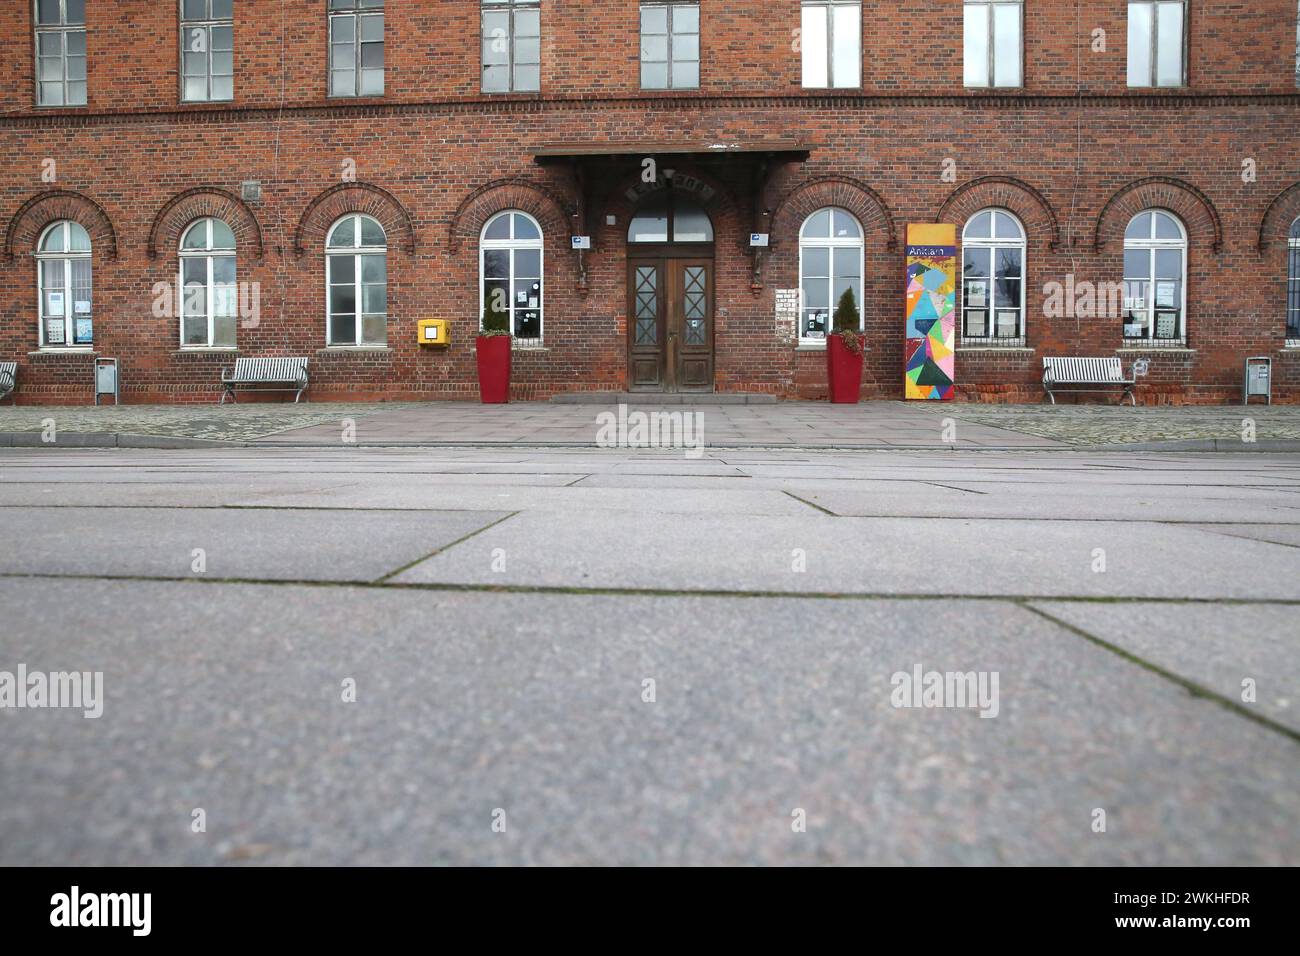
(1074, 154)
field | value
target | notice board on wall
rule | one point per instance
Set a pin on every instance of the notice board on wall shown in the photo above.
(929, 369)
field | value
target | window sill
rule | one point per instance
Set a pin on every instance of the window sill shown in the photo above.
(200, 349)
(810, 347)
(64, 350)
(995, 348)
(1180, 349)
(344, 349)
(529, 347)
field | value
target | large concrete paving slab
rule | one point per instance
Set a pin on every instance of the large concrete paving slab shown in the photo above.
(865, 555)
(1215, 646)
(229, 698)
(236, 543)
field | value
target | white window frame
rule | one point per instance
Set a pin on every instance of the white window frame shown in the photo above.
(63, 30)
(355, 251)
(356, 11)
(1021, 244)
(668, 63)
(513, 245)
(832, 244)
(511, 9)
(828, 50)
(209, 253)
(1151, 246)
(989, 77)
(67, 257)
(1153, 45)
(1293, 286)
(207, 23)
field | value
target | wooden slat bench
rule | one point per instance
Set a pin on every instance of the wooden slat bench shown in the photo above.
(253, 373)
(8, 381)
(1097, 372)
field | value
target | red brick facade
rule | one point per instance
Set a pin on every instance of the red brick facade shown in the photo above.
(1074, 154)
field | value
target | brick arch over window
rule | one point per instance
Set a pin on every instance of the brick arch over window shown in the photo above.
(27, 224)
(200, 203)
(502, 194)
(1282, 212)
(344, 198)
(721, 205)
(1004, 192)
(1159, 192)
(855, 196)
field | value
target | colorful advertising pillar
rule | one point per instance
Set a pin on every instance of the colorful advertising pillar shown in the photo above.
(930, 359)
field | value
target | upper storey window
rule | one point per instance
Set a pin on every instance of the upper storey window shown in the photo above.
(511, 46)
(993, 32)
(670, 46)
(1156, 41)
(207, 50)
(356, 47)
(61, 52)
(831, 40)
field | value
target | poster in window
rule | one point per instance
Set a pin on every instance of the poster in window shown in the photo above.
(1166, 325)
(1165, 293)
(81, 307)
(976, 324)
(55, 303)
(1007, 324)
(82, 333)
(53, 331)
(1132, 330)
(976, 294)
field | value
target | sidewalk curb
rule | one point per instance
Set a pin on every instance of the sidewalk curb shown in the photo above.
(110, 440)
(175, 442)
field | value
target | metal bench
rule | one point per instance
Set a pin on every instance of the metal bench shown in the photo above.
(8, 381)
(1086, 371)
(290, 373)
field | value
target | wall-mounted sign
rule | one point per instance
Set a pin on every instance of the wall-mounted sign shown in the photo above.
(931, 317)
(582, 242)
(758, 239)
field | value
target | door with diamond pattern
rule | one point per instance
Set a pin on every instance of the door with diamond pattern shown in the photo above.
(670, 325)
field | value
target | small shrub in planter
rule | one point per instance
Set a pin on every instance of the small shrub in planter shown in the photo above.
(492, 350)
(844, 348)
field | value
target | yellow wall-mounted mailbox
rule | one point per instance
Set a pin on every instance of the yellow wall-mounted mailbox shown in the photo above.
(433, 332)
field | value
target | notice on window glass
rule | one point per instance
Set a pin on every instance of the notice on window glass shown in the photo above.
(976, 294)
(1165, 292)
(56, 303)
(53, 331)
(1006, 324)
(82, 307)
(82, 333)
(1165, 325)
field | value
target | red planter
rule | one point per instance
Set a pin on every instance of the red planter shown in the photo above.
(493, 355)
(843, 371)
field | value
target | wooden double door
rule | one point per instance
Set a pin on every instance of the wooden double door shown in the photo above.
(670, 323)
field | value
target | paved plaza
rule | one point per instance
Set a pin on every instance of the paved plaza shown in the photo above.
(350, 655)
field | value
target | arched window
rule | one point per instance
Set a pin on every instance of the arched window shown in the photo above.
(1293, 289)
(1155, 278)
(993, 279)
(209, 299)
(665, 215)
(356, 265)
(510, 266)
(63, 277)
(830, 263)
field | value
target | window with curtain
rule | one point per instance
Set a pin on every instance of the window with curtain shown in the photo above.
(63, 279)
(993, 44)
(831, 43)
(1156, 40)
(1155, 279)
(993, 279)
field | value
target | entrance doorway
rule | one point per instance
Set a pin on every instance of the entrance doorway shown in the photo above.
(670, 298)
